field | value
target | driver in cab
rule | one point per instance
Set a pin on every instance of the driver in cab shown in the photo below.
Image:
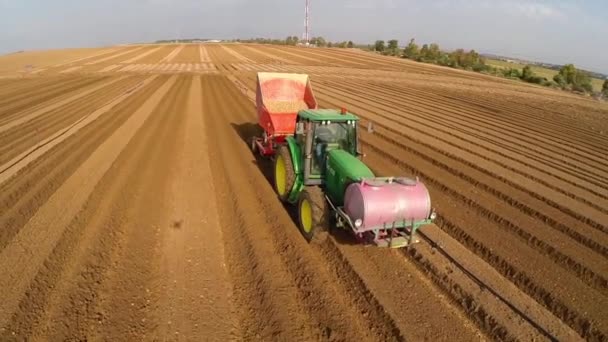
(323, 136)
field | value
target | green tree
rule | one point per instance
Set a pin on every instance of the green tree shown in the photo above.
(560, 80)
(568, 72)
(511, 73)
(481, 67)
(424, 54)
(379, 46)
(393, 47)
(577, 79)
(605, 87)
(350, 44)
(318, 41)
(527, 73)
(393, 44)
(411, 51)
(583, 81)
(434, 52)
(444, 59)
(457, 59)
(467, 60)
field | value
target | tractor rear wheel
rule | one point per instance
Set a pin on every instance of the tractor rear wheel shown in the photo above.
(313, 213)
(284, 174)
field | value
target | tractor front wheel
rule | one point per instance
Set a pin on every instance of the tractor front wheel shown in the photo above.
(284, 174)
(313, 213)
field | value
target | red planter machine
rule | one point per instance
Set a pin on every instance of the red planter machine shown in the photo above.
(279, 97)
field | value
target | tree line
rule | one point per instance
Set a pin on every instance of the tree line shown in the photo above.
(567, 78)
(432, 53)
(294, 40)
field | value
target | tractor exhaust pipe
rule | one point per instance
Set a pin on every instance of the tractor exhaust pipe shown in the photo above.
(308, 149)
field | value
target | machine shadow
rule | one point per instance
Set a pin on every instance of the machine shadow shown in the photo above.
(249, 130)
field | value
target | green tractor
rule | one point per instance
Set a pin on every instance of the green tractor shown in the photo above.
(317, 167)
(319, 159)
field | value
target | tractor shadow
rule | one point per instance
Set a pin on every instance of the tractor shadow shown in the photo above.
(249, 130)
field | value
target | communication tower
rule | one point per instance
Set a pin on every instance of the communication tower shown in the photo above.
(307, 23)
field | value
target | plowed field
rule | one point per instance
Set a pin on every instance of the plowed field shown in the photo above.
(131, 207)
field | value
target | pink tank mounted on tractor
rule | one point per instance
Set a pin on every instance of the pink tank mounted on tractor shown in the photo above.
(317, 167)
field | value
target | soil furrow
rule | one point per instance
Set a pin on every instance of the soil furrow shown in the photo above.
(157, 56)
(499, 307)
(13, 166)
(589, 213)
(298, 57)
(509, 182)
(21, 138)
(503, 118)
(567, 132)
(46, 227)
(376, 277)
(197, 295)
(469, 143)
(541, 237)
(142, 55)
(271, 57)
(484, 319)
(596, 189)
(528, 271)
(23, 195)
(15, 87)
(84, 249)
(596, 241)
(131, 307)
(101, 53)
(188, 54)
(44, 97)
(311, 301)
(111, 59)
(331, 59)
(473, 120)
(30, 113)
(132, 206)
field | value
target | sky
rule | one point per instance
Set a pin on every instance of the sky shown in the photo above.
(558, 31)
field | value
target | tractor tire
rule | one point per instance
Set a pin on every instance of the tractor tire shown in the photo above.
(313, 214)
(284, 174)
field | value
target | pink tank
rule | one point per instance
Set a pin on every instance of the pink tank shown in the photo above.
(383, 201)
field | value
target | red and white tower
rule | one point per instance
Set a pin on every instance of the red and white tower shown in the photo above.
(307, 24)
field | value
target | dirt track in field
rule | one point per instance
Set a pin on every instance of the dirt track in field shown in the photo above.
(131, 207)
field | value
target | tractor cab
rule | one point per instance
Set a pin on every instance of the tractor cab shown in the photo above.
(321, 131)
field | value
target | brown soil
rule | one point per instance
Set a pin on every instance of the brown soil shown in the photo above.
(131, 207)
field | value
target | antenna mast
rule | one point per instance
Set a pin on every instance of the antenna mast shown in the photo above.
(307, 24)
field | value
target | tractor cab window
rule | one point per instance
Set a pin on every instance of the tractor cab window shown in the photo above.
(331, 136)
